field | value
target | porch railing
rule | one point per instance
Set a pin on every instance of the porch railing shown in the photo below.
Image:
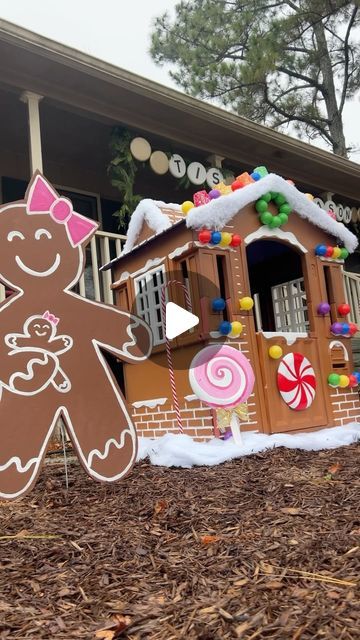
(95, 284)
(352, 293)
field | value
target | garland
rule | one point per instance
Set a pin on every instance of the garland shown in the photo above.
(268, 218)
(122, 170)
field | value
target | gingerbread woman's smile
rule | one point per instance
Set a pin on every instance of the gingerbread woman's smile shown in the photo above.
(39, 274)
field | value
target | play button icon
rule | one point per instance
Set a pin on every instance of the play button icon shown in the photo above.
(178, 320)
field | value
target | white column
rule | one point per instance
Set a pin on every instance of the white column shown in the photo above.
(32, 100)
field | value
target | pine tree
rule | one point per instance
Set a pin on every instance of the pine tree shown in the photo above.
(278, 62)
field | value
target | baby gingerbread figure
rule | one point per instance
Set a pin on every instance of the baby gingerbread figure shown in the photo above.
(43, 375)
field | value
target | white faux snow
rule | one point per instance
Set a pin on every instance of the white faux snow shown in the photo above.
(149, 212)
(150, 404)
(265, 232)
(217, 213)
(182, 451)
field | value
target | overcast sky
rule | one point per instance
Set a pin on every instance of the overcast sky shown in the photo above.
(117, 31)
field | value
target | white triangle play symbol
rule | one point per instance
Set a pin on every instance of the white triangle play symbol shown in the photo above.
(178, 320)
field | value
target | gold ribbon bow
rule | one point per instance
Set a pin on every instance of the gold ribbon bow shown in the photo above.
(224, 415)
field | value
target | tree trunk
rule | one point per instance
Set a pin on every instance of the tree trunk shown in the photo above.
(334, 116)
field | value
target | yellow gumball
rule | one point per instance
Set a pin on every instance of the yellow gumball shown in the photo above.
(336, 252)
(236, 329)
(186, 206)
(225, 239)
(246, 303)
(310, 196)
(275, 352)
(344, 381)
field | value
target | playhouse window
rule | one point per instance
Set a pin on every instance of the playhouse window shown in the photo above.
(290, 308)
(148, 301)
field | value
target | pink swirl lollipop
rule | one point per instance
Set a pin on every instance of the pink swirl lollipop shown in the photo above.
(221, 376)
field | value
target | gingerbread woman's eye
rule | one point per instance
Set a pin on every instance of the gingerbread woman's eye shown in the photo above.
(15, 234)
(42, 232)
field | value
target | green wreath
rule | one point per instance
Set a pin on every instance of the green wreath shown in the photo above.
(268, 218)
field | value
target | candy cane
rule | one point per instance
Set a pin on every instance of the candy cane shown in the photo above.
(168, 347)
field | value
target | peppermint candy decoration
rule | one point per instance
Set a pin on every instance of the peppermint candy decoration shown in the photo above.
(221, 376)
(296, 381)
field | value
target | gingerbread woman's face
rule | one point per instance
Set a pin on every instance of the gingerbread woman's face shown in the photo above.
(42, 240)
(36, 248)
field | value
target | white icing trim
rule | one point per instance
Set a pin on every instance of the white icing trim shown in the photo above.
(212, 246)
(289, 336)
(179, 251)
(191, 398)
(149, 264)
(337, 343)
(265, 232)
(150, 404)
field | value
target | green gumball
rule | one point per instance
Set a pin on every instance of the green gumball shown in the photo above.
(266, 197)
(261, 205)
(344, 253)
(285, 208)
(266, 217)
(276, 222)
(284, 218)
(279, 200)
(333, 379)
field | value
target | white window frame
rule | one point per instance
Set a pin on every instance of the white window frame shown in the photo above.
(147, 307)
(290, 307)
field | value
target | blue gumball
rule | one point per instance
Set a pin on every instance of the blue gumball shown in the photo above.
(357, 376)
(345, 329)
(255, 176)
(320, 250)
(218, 304)
(215, 237)
(225, 328)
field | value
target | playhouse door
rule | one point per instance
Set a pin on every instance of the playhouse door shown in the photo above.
(293, 393)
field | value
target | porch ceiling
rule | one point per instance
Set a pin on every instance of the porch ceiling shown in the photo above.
(32, 62)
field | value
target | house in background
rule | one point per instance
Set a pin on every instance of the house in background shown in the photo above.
(58, 107)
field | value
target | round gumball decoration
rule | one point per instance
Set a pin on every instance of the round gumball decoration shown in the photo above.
(246, 303)
(186, 206)
(345, 329)
(222, 377)
(225, 239)
(225, 328)
(275, 352)
(323, 308)
(236, 329)
(353, 382)
(344, 381)
(283, 210)
(333, 380)
(344, 253)
(320, 250)
(218, 304)
(357, 376)
(215, 237)
(336, 328)
(235, 241)
(343, 309)
(329, 252)
(204, 236)
(296, 381)
(214, 193)
(353, 328)
(236, 185)
(336, 253)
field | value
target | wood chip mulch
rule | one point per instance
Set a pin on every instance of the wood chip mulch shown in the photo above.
(263, 547)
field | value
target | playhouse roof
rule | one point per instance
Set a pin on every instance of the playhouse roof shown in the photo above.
(217, 214)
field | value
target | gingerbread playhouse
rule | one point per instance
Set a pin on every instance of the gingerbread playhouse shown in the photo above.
(262, 267)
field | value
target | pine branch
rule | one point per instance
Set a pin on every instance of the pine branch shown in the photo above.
(346, 64)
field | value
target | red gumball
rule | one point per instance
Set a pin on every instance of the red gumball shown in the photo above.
(353, 381)
(204, 236)
(329, 252)
(236, 185)
(353, 328)
(235, 240)
(344, 309)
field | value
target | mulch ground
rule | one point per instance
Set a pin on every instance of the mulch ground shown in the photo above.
(203, 553)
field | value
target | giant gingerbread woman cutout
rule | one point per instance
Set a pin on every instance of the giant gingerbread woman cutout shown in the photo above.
(52, 343)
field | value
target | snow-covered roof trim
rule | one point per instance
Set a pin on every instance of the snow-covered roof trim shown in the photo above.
(147, 211)
(217, 213)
